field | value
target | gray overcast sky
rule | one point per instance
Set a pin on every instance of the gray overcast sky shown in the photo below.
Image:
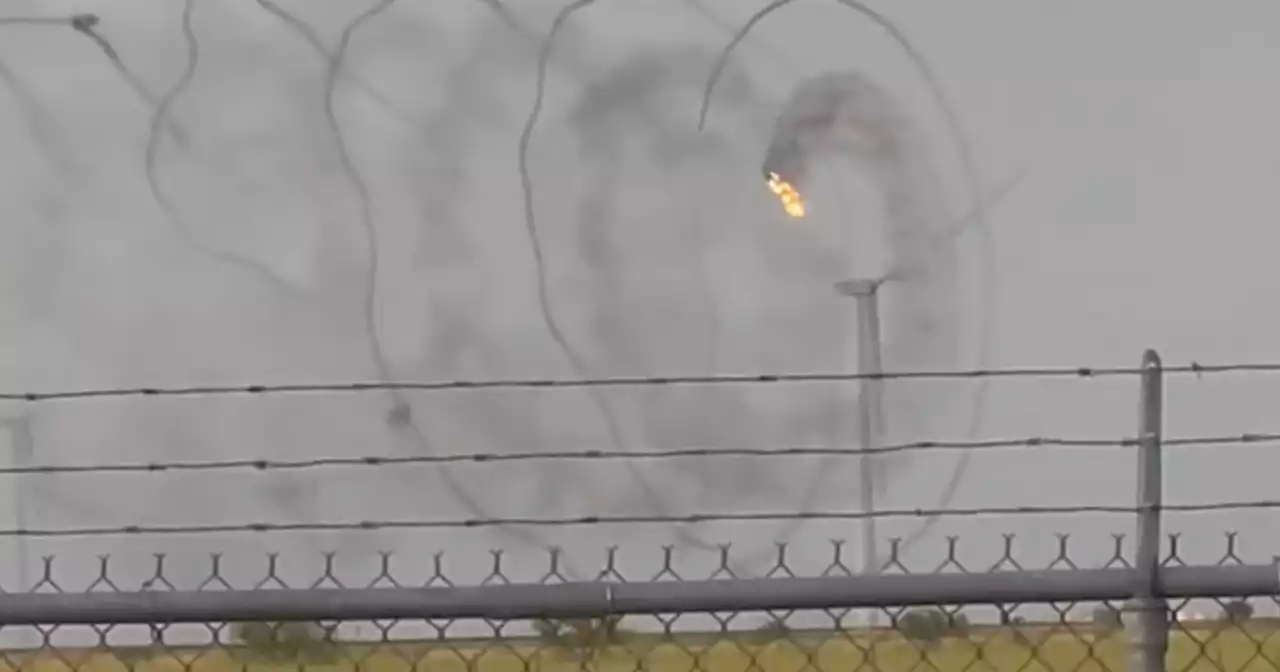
(1143, 221)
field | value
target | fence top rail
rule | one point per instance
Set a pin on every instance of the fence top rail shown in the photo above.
(589, 599)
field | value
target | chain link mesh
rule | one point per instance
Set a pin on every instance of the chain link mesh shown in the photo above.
(1208, 634)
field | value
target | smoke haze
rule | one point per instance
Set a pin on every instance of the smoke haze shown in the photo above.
(665, 254)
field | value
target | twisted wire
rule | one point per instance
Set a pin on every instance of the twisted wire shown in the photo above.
(1079, 372)
(1029, 442)
(689, 519)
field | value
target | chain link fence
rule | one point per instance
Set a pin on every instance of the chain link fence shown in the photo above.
(1143, 606)
(999, 617)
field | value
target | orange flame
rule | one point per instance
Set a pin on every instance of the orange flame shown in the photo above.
(792, 204)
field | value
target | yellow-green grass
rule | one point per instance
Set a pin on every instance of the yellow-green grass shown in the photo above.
(1229, 650)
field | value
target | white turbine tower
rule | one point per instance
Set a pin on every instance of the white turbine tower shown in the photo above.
(896, 233)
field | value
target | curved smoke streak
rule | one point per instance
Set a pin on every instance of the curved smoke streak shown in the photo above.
(846, 113)
(401, 414)
(87, 24)
(445, 133)
(977, 203)
(534, 236)
(641, 114)
(313, 41)
(606, 119)
(550, 322)
(159, 121)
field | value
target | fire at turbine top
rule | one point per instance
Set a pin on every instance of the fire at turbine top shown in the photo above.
(792, 204)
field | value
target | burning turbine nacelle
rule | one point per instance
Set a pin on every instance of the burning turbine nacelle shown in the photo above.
(784, 170)
(828, 114)
(792, 203)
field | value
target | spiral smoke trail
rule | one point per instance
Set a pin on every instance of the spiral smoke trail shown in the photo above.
(607, 119)
(639, 106)
(543, 293)
(445, 134)
(901, 203)
(550, 321)
(401, 414)
(847, 114)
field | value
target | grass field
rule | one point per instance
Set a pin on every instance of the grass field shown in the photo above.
(1230, 650)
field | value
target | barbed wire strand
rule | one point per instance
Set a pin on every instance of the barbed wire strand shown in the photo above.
(690, 519)
(360, 387)
(596, 455)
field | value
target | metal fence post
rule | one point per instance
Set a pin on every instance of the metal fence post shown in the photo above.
(1150, 640)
